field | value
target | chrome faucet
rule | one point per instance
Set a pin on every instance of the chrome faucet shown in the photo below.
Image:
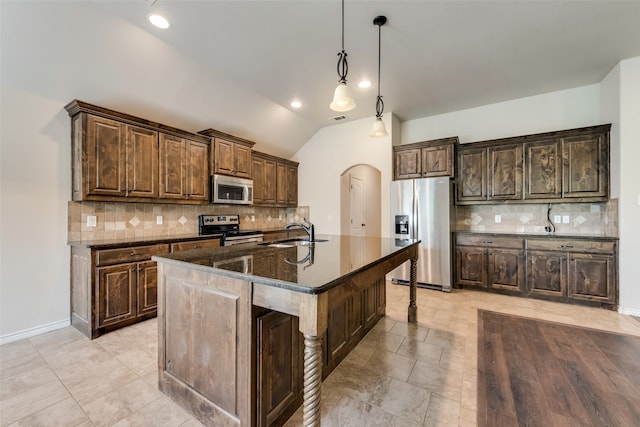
(308, 228)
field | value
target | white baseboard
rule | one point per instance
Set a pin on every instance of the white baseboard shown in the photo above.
(629, 311)
(28, 333)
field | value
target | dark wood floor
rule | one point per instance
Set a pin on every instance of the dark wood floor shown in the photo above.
(536, 373)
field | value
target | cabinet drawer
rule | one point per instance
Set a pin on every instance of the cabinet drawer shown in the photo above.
(195, 244)
(489, 241)
(132, 253)
(564, 245)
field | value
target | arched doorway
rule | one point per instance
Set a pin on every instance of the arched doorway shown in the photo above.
(360, 201)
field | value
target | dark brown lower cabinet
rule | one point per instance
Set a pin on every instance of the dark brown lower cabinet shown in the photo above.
(116, 285)
(573, 270)
(545, 273)
(280, 346)
(490, 262)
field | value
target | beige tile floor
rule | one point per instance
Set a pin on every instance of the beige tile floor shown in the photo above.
(399, 375)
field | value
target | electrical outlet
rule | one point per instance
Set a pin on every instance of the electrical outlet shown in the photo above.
(565, 219)
(557, 219)
(159, 219)
(498, 218)
(253, 218)
(91, 220)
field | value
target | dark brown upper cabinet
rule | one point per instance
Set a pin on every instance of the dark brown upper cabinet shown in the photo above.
(563, 166)
(505, 172)
(275, 180)
(184, 168)
(424, 159)
(230, 155)
(118, 157)
(543, 178)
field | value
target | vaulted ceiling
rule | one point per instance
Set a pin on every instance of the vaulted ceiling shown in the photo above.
(437, 56)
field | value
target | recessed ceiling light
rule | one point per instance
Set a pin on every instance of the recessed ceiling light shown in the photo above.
(296, 104)
(364, 84)
(159, 21)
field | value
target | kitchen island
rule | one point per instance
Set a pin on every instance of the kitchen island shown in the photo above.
(214, 353)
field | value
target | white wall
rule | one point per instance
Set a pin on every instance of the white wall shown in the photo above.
(629, 203)
(559, 110)
(325, 157)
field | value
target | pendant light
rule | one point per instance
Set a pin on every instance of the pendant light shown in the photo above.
(378, 129)
(342, 97)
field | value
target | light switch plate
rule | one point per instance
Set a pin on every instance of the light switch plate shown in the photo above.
(498, 218)
(557, 219)
(565, 219)
(159, 219)
(91, 220)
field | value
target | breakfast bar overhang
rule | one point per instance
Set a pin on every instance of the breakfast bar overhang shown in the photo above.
(205, 300)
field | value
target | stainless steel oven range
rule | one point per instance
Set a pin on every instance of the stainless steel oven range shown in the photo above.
(229, 227)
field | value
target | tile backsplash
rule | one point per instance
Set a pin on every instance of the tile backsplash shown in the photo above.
(583, 218)
(139, 220)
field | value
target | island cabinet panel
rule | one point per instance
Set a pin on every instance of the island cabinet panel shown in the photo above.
(279, 367)
(205, 326)
(571, 270)
(118, 157)
(424, 159)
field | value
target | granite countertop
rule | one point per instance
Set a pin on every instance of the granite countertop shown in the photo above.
(308, 269)
(543, 235)
(115, 243)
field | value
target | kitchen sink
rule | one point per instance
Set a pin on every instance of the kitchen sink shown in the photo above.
(289, 243)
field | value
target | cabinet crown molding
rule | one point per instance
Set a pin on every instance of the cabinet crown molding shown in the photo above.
(76, 107)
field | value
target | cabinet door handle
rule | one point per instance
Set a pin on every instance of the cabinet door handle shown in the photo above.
(139, 268)
(132, 254)
(196, 246)
(566, 246)
(133, 269)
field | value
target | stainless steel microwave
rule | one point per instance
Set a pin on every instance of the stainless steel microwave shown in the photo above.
(231, 190)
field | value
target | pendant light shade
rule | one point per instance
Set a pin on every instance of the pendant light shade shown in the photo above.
(379, 130)
(342, 97)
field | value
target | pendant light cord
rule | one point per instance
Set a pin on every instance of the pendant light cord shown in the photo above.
(342, 67)
(379, 102)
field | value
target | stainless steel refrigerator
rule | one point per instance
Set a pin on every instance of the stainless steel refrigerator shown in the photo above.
(421, 209)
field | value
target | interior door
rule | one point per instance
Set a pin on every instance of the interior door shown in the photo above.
(356, 194)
